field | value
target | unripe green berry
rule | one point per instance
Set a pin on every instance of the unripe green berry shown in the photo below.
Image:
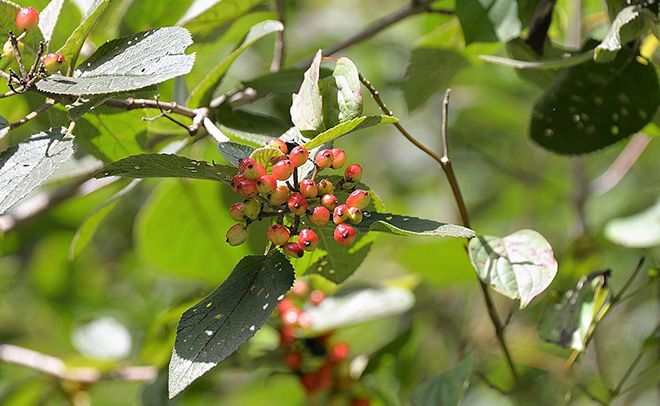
(340, 214)
(353, 173)
(308, 188)
(53, 63)
(324, 158)
(27, 19)
(293, 249)
(8, 49)
(355, 215)
(319, 216)
(358, 198)
(236, 211)
(325, 187)
(278, 234)
(279, 196)
(329, 202)
(237, 234)
(308, 240)
(251, 208)
(338, 158)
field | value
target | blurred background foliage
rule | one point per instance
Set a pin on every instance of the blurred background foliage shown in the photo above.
(162, 246)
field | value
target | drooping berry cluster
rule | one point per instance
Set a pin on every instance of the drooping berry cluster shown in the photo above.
(278, 194)
(320, 363)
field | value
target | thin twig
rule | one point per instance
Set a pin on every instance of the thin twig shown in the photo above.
(279, 49)
(33, 114)
(132, 104)
(17, 54)
(621, 165)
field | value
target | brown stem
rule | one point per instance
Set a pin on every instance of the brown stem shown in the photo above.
(132, 104)
(279, 48)
(17, 53)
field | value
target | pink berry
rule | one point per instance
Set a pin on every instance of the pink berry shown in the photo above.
(293, 360)
(279, 195)
(353, 173)
(320, 216)
(316, 297)
(247, 188)
(27, 18)
(278, 234)
(299, 288)
(324, 158)
(358, 198)
(254, 171)
(237, 179)
(236, 212)
(237, 234)
(308, 188)
(53, 62)
(298, 156)
(325, 187)
(355, 215)
(340, 214)
(278, 144)
(338, 158)
(305, 320)
(290, 317)
(339, 352)
(293, 249)
(344, 235)
(283, 169)
(308, 240)
(285, 305)
(244, 163)
(266, 184)
(297, 204)
(329, 202)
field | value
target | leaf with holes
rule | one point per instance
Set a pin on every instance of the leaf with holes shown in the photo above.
(73, 45)
(234, 152)
(626, 27)
(641, 230)
(348, 127)
(489, 20)
(129, 63)
(519, 266)
(166, 166)
(593, 105)
(569, 323)
(214, 328)
(411, 226)
(30, 163)
(446, 388)
(307, 107)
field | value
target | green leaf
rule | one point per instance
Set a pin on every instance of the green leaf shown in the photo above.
(447, 388)
(8, 11)
(202, 94)
(234, 152)
(205, 17)
(348, 127)
(354, 306)
(82, 105)
(489, 20)
(519, 266)
(266, 156)
(214, 328)
(166, 166)
(307, 107)
(148, 14)
(625, 27)
(248, 127)
(285, 81)
(72, 46)
(569, 322)
(29, 164)
(110, 136)
(429, 71)
(341, 94)
(337, 263)
(129, 63)
(411, 226)
(593, 105)
(48, 18)
(394, 348)
(641, 230)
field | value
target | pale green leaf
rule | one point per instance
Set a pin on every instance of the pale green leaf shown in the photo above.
(307, 107)
(641, 230)
(72, 46)
(348, 127)
(48, 18)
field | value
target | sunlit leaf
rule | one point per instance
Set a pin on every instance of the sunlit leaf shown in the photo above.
(348, 127)
(641, 230)
(307, 108)
(71, 49)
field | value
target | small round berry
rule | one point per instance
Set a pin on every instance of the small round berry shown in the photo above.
(360, 402)
(266, 184)
(283, 169)
(8, 49)
(305, 320)
(308, 240)
(290, 317)
(278, 144)
(251, 208)
(299, 288)
(353, 173)
(340, 214)
(329, 201)
(308, 188)
(285, 305)
(355, 215)
(278, 234)
(324, 158)
(325, 187)
(236, 212)
(344, 235)
(293, 360)
(293, 249)
(237, 234)
(298, 156)
(254, 171)
(339, 352)
(247, 188)
(358, 198)
(53, 63)
(244, 163)
(287, 336)
(316, 297)
(325, 377)
(297, 204)
(338, 158)
(279, 195)
(320, 216)
(309, 381)
(27, 18)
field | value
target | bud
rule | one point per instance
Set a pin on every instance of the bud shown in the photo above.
(320, 216)
(278, 234)
(298, 156)
(251, 208)
(329, 202)
(283, 169)
(344, 235)
(308, 188)
(27, 19)
(279, 195)
(308, 240)
(324, 158)
(358, 198)
(353, 173)
(278, 144)
(325, 187)
(338, 158)
(237, 234)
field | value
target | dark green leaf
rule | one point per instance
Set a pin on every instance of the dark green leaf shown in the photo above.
(234, 152)
(348, 127)
(447, 388)
(214, 328)
(392, 348)
(307, 108)
(166, 166)
(29, 164)
(249, 127)
(489, 20)
(82, 105)
(71, 49)
(338, 263)
(411, 226)
(285, 81)
(593, 105)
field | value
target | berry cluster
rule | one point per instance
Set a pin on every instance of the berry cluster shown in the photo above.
(320, 364)
(272, 194)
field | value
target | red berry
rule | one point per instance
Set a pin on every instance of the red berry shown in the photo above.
(251, 208)
(339, 352)
(278, 144)
(329, 202)
(308, 188)
(338, 158)
(299, 288)
(266, 184)
(297, 204)
(237, 234)
(278, 234)
(293, 360)
(287, 336)
(27, 18)
(308, 239)
(316, 297)
(358, 198)
(284, 305)
(247, 188)
(340, 214)
(320, 216)
(236, 212)
(360, 402)
(344, 235)
(237, 179)
(353, 173)
(325, 187)
(304, 320)
(290, 317)
(324, 376)
(293, 249)
(283, 169)
(244, 163)
(279, 195)
(355, 215)
(298, 156)
(53, 62)
(254, 171)
(324, 158)
(309, 382)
